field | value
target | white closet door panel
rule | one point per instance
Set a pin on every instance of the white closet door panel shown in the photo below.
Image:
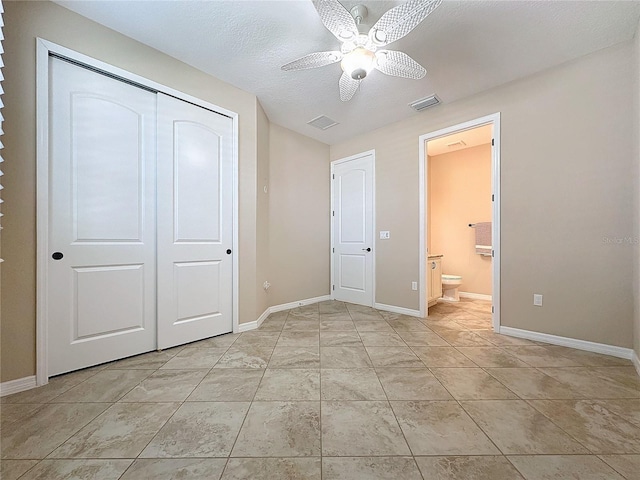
(195, 222)
(108, 300)
(197, 163)
(352, 189)
(106, 168)
(352, 272)
(194, 283)
(101, 293)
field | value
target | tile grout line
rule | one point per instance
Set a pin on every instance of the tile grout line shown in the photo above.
(181, 403)
(465, 411)
(611, 466)
(591, 452)
(376, 370)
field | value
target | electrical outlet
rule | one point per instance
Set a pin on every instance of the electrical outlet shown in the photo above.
(537, 300)
(266, 285)
(385, 235)
(414, 285)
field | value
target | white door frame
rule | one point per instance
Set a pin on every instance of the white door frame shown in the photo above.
(44, 49)
(373, 207)
(493, 119)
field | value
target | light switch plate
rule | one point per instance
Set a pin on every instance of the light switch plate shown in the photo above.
(414, 285)
(537, 300)
(384, 235)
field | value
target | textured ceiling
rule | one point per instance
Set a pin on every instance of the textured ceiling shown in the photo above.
(466, 46)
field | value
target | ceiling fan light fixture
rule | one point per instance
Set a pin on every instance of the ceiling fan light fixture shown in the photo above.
(358, 63)
(359, 51)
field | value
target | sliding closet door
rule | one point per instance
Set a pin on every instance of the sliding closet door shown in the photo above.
(101, 294)
(195, 222)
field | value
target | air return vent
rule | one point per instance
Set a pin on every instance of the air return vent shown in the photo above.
(424, 103)
(322, 122)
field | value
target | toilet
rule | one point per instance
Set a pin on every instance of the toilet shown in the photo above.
(450, 285)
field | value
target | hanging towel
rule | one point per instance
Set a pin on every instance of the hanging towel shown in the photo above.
(483, 238)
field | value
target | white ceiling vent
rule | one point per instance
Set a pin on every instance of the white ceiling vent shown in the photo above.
(322, 122)
(426, 102)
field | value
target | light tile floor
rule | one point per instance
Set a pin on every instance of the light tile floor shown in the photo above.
(336, 391)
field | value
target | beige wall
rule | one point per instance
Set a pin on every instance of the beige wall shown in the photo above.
(567, 150)
(24, 22)
(459, 193)
(262, 213)
(636, 202)
(299, 220)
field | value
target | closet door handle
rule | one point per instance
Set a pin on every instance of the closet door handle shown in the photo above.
(366, 249)
(57, 255)
(433, 265)
(228, 251)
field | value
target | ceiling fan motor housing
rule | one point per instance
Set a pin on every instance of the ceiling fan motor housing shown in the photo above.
(359, 13)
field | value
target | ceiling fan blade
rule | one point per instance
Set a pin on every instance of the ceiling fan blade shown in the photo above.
(400, 20)
(348, 87)
(313, 60)
(399, 64)
(337, 19)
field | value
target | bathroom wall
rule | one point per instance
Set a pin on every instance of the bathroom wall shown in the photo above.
(460, 193)
(563, 207)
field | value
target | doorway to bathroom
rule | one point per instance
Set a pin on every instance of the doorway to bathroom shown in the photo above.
(460, 216)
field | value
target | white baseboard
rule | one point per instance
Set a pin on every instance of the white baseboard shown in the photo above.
(394, 309)
(17, 385)
(602, 348)
(636, 362)
(245, 327)
(475, 296)
(299, 303)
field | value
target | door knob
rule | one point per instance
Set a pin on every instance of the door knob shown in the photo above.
(228, 251)
(367, 249)
(57, 255)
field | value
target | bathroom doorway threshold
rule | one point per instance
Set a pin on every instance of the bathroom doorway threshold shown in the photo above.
(494, 121)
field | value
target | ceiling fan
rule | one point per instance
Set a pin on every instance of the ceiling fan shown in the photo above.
(359, 52)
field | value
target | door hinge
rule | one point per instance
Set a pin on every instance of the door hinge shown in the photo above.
(493, 142)
(493, 253)
(333, 287)
(333, 250)
(333, 214)
(493, 197)
(492, 309)
(333, 175)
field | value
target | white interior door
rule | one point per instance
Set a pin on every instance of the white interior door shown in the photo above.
(195, 222)
(353, 244)
(101, 268)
